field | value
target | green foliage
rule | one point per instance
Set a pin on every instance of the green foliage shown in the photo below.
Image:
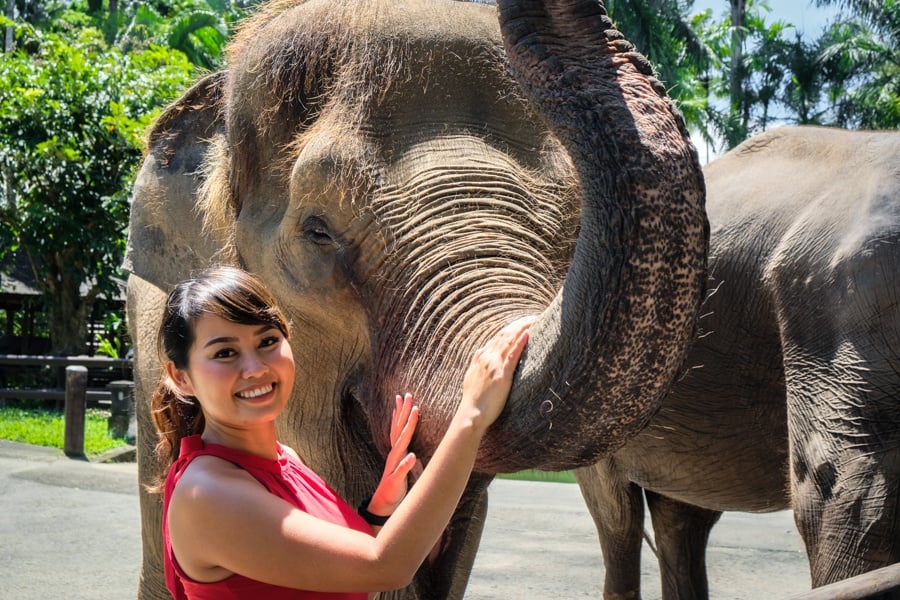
(847, 77)
(201, 35)
(47, 428)
(72, 114)
(662, 31)
(860, 58)
(198, 28)
(113, 344)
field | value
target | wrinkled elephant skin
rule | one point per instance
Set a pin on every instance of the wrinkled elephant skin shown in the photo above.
(407, 177)
(791, 400)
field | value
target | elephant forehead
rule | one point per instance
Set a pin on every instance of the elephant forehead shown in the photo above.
(298, 25)
(382, 74)
(312, 52)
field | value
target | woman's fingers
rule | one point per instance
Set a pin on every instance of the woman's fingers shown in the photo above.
(403, 407)
(403, 426)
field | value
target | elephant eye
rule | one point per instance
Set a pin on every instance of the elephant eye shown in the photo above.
(316, 230)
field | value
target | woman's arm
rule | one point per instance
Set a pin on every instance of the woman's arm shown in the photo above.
(223, 521)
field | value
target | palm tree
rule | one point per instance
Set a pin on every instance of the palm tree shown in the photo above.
(8, 30)
(751, 57)
(198, 28)
(861, 62)
(804, 89)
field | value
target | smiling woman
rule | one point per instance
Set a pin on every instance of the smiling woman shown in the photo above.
(243, 516)
(245, 371)
(207, 319)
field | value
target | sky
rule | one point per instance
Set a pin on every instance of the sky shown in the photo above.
(803, 14)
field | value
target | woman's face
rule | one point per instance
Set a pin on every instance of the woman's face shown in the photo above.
(242, 375)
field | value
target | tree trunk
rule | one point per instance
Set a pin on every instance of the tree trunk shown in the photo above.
(67, 309)
(68, 327)
(9, 38)
(739, 106)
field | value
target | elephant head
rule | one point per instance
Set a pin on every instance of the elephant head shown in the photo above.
(404, 196)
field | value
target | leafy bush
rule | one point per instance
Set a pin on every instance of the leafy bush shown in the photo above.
(72, 117)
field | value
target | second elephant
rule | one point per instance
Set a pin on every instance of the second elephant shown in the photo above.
(792, 398)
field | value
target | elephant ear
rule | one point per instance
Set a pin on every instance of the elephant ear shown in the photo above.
(169, 239)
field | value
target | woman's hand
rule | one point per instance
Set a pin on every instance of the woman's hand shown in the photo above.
(489, 376)
(393, 486)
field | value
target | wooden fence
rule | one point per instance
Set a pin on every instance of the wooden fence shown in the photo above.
(101, 371)
(116, 393)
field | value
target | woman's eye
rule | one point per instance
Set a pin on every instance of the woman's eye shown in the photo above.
(224, 353)
(269, 341)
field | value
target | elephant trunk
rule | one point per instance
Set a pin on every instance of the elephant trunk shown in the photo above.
(604, 353)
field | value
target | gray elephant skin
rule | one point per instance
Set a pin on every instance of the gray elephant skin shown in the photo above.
(407, 177)
(791, 397)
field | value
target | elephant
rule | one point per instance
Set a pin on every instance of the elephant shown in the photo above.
(789, 399)
(407, 178)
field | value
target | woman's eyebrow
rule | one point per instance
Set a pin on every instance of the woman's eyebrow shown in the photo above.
(231, 339)
(220, 340)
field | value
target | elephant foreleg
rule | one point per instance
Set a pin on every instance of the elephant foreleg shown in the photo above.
(846, 484)
(845, 463)
(617, 508)
(681, 532)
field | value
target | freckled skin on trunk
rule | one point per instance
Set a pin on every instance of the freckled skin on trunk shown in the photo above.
(610, 344)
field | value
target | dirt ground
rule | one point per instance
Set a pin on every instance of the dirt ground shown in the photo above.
(71, 529)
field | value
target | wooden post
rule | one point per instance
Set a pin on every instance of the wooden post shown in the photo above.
(121, 422)
(76, 403)
(867, 585)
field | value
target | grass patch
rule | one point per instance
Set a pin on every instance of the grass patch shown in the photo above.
(41, 427)
(533, 475)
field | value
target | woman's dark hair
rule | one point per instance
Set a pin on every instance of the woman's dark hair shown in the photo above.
(226, 292)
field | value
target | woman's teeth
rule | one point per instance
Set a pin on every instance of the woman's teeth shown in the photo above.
(256, 392)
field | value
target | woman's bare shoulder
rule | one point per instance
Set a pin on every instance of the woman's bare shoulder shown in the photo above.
(209, 478)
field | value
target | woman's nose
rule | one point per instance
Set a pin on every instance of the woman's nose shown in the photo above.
(253, 366)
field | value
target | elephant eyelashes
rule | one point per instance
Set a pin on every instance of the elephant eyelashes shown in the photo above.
(316, 230)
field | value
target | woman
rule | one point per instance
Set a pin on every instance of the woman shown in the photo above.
(243, 516)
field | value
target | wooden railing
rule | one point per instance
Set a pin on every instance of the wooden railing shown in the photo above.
(868, 585)
(100, 368)
(116, 393)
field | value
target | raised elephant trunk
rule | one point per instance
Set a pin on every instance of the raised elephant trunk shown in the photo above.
(608, 347)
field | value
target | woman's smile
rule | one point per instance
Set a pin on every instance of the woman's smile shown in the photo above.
(256, 392)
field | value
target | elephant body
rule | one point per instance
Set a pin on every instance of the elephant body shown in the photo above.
(407, 178)
(791, 395)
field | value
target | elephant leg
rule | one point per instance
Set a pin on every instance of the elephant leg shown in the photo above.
(681, 532)
(845, 475)
(461, 540)
(617, 508)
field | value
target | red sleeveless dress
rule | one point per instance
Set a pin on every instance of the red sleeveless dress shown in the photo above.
(286, 478)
